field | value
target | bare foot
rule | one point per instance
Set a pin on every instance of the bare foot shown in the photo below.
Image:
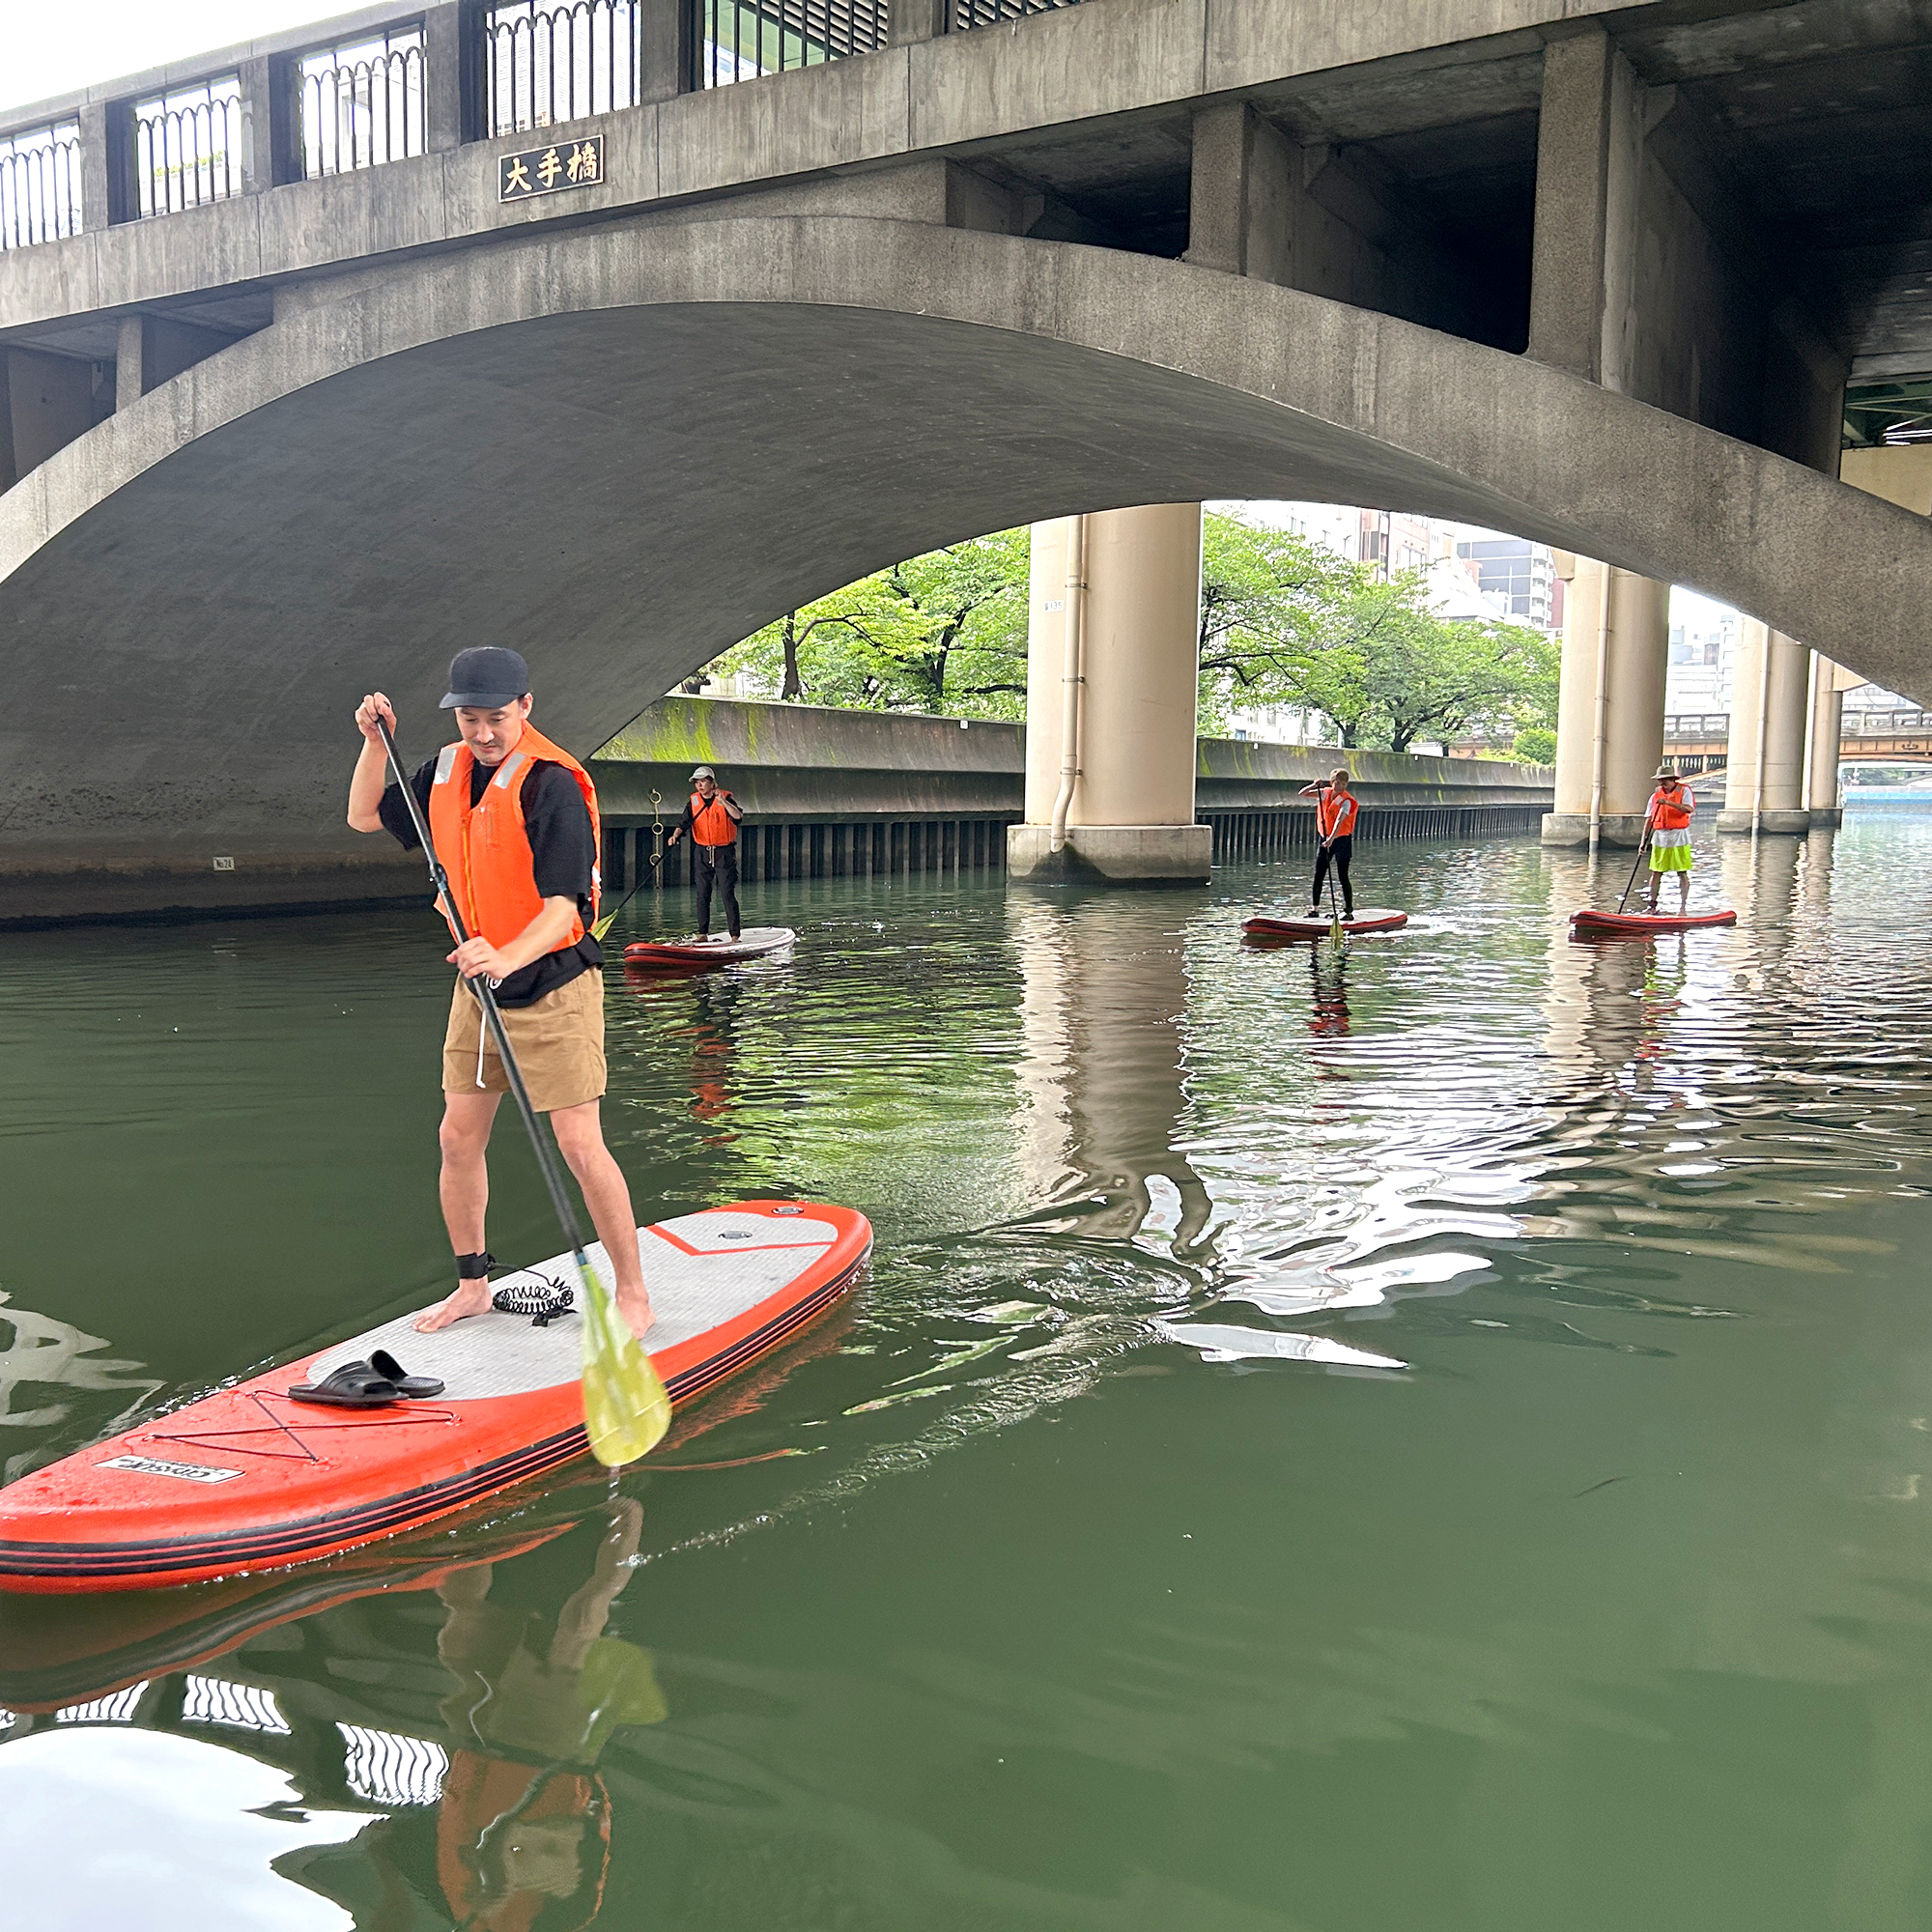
(633, 1305)
(472, 1297)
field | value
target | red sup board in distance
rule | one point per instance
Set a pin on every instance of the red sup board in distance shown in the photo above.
(1370, 919)
(1605, 925)
(753, 943)
(249, 1479)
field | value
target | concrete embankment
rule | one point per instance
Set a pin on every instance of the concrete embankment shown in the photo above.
(829, 794)
(826, 793)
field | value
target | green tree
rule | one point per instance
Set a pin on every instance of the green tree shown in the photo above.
(944, 633)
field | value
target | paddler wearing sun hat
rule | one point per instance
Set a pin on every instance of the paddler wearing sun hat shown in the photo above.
(1671, 805)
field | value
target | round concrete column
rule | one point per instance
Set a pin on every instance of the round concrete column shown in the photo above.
(1828, 727)
(1131, 813)
(1610, 722)
(1771, 694)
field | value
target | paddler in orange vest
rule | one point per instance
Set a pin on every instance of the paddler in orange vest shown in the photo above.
(711, 819)
(1671, 805)
(514, 818)
(1335, 810)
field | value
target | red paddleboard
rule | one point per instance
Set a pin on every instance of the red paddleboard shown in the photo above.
(1605, 924)
(1370, 919)
(753, 943)
(248, 1480)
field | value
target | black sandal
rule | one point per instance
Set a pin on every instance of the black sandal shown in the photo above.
(414, 1387)
(543, 1301)
(354, 1385)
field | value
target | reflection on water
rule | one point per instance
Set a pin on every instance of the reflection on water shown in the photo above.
(1425, 1434)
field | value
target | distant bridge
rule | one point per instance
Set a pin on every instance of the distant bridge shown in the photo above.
(1700, 741)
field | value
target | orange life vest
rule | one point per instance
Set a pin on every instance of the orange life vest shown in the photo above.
(486, 850)
(711, 824)
(1335, 814)
(1670, 810)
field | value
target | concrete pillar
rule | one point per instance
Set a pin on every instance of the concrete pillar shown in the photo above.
(1900, 472)
(96, 198)
(1609, 723)
(667, 64)
(1764, 774)
(1829, 685)
(1131, 812)
(152, 348)
(910, 20)
(49, 401)
(443, 118)
(1245, 182)
(1589, 149)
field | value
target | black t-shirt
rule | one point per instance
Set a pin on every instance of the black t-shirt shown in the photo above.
(563, 855)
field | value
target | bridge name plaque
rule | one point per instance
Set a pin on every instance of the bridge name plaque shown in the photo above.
(551, 170)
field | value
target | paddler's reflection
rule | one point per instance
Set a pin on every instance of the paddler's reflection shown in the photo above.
(713, 1047)
(521, 1832)
(1327, 967)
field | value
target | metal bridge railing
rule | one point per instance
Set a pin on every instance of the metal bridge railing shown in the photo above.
(188, 147)
(40, 184)
(738, 39)
(362, 103)
(970, 14)
(549, 61)
(309, 113)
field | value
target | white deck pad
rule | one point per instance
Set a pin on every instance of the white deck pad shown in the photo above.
(740, 1261)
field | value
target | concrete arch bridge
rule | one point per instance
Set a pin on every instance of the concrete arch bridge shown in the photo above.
(326, 427)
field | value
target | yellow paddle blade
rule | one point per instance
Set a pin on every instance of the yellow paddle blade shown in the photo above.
(1335, 931)
(603, 925)
(626, 1406)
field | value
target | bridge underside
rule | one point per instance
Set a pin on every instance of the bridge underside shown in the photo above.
(620, 450)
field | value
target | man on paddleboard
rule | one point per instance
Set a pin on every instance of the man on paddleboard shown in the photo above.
(1335, 810)
(1671, 805)
(514, 818)
(711, 820)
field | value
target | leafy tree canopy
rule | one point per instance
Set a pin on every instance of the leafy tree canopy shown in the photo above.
(943, 632)
(1283, 622)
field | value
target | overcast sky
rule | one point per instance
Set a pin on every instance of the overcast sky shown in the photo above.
(53, 47)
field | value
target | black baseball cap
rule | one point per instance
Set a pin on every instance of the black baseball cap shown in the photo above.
(487, 677)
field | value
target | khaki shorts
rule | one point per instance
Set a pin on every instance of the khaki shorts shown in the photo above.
(559, 1042)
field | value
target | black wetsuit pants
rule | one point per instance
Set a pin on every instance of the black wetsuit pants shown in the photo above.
(1336, 852)
(718, 865)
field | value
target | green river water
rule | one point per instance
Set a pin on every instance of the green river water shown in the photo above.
(1429, 1438)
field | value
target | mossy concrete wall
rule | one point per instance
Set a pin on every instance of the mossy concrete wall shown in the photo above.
(798, 761)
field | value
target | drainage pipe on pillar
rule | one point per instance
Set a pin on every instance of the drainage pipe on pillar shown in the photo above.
(1600, 717)
(1072, 680)
(1763, 730)
(1811, 727)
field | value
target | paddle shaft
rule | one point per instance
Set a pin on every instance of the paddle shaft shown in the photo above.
(547, 1159)
(1642, 846)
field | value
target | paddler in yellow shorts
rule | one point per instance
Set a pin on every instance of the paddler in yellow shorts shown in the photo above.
(1671, 805)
